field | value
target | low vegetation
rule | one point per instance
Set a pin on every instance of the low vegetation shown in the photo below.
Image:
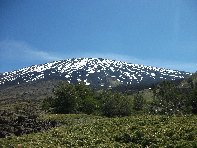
(79, 130)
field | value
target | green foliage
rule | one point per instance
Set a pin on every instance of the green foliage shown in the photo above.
(47, 104)
(193, 100)
(66, 99)
(138, 102)
(169, 100)
(69, 98)
(166, 98)
(116, 104)
(89, 105)
(191, 85)
(83, 90)
(80, 98)
(192, 80)
(95, 131)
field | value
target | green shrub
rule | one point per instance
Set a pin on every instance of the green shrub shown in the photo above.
(48, 103)
(168, 99)
(138, 102)
(115, 104)
(89, 105)
(69, 98)
(66, 99)
(88, 102)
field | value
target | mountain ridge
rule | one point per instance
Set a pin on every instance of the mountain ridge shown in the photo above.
(97, 72)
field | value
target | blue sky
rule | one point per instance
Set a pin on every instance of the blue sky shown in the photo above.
(160, 33)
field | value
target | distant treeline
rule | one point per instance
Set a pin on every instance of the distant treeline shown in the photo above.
(168, 98)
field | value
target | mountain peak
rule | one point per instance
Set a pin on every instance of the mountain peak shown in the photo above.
(97, 72)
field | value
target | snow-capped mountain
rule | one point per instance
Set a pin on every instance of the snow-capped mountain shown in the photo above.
(97, 72)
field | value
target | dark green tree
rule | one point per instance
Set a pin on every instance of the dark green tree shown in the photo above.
(116, 104)
(168, 99)
(138, 102)
(48, 104)
(192, 94)
(66, 98)
(83, 90)
(88, 102)
(193, 100)
(89, 105)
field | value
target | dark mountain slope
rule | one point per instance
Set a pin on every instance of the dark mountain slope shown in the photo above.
(28, 91)
(97, 72)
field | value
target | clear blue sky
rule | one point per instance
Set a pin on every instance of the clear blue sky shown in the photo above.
(160, 33)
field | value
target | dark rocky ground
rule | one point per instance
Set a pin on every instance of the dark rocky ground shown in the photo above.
(20, 108)
(18, 124)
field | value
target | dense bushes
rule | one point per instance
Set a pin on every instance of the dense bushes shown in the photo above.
(70, 98)
(170, 99)
(167, 99)
(78, 98)
(116, 104)
(138, 102)
(66, 99)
